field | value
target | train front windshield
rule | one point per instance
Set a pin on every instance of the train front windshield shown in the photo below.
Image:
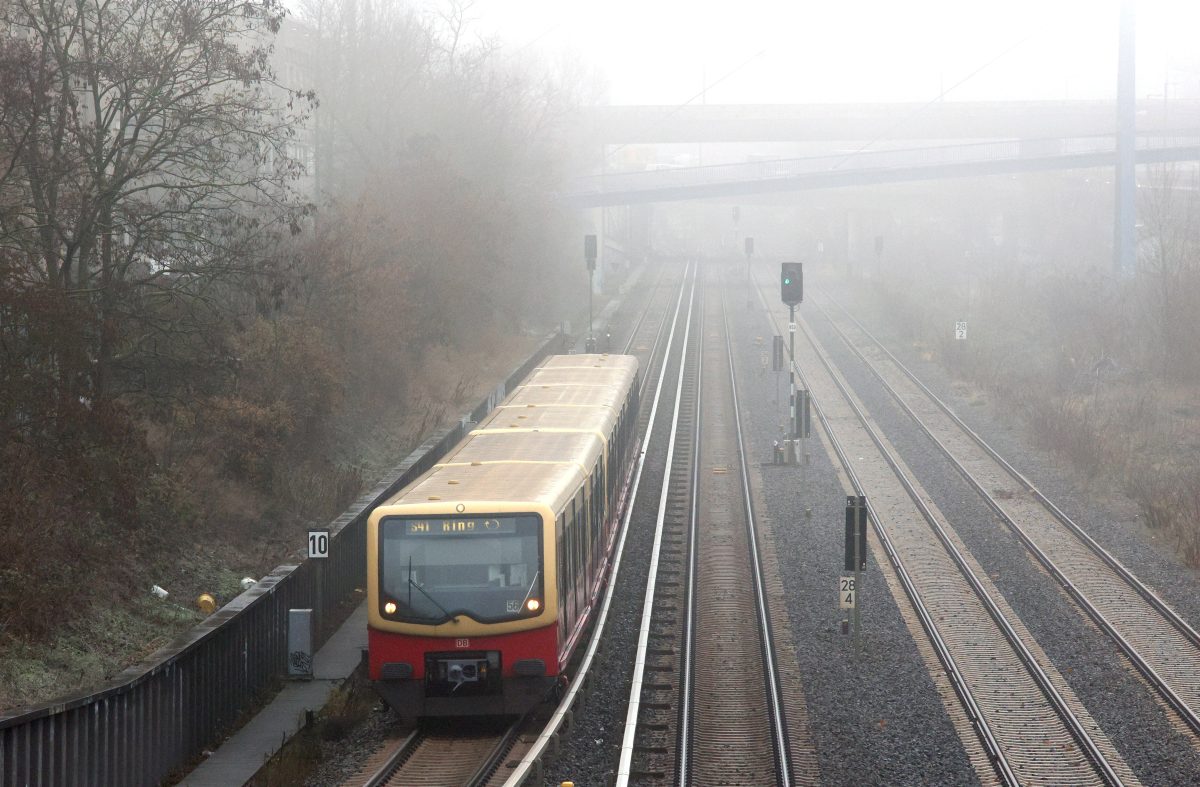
(487, 567)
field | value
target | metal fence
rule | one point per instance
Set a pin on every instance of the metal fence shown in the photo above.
(154, 718)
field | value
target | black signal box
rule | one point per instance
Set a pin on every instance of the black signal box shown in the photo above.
(856, 528)
(589, 251)
(791, 283)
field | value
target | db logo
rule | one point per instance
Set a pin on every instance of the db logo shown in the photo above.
(462, 643)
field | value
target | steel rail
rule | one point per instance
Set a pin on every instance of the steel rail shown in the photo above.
(686, 659)
(1186, 712)
(393, 763)
(774, 686)
(638, 325)
(529, 762)
(1035, 669)
(489, 766)
(625, 763)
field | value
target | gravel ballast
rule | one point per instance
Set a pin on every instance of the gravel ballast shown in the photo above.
(1116, 697)
(878, 719)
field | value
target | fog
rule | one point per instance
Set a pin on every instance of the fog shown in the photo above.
(761, 51)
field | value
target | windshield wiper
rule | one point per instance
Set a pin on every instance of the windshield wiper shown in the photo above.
(532, 584)
(426, 595)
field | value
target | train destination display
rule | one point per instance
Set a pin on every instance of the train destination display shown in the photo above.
(460, 527)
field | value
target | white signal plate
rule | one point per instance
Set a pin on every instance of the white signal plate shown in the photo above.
(318, 543)
(846, 593)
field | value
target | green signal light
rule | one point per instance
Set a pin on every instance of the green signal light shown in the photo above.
(787, 281)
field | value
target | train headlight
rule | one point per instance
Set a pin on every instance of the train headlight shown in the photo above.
(390, 608)
(533, 605)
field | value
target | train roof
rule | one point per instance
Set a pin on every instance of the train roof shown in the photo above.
(577, 380)
(538, 445)
(600, 420)
(591, 361)
(587, 375)
(582, 448)
(567, 395)
(535, 482)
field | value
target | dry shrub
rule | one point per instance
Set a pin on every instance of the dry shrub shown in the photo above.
(247, 435)
(1187, 521)
(1069, 426)
(44, 549)
(67, 509)
(1084, 360)
(316, 494)
(1169, 499)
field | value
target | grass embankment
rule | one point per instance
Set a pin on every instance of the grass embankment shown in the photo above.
(85, 606)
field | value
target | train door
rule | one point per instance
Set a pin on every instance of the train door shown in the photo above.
(568, 565)
(563, 582)
(580, 540)
(599, 531)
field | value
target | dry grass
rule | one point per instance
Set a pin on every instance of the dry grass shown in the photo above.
(203, 531)
(350, 705)
(1076, 370)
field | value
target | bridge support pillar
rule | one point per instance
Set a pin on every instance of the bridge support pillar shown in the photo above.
(1125, 229)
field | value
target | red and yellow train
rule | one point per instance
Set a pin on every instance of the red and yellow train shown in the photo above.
(483, 573)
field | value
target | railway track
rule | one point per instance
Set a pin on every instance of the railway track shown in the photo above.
(437, 759)
(1162, 646)
(706, 704)
(1031, 726)
(514, 755)
(656, 339)
(657, 658)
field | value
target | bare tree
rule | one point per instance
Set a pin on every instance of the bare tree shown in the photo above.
(1170, 268)
(145, 161)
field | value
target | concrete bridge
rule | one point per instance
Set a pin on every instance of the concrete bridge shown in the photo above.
(869, 168)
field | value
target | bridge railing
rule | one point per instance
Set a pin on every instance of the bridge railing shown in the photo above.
(152, 719)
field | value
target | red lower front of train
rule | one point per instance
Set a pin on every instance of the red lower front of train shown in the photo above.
(457, 676)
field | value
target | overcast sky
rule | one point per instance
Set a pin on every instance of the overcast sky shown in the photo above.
(775, 51)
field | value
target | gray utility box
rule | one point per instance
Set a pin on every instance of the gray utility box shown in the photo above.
(300, 643)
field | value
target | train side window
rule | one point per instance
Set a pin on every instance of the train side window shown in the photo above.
(595, 528)
(589, 507)
(581, 507)
(593, 525)
(613, 448)
(623, 430)
(600, 500)
(602, 518)
(580, 524)
(602, 491)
